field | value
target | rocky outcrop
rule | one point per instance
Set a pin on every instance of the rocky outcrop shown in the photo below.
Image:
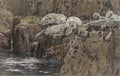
(52, 49)
(24, 35)
(6, 18)
(94, 51)
(53, 41)
(5, 36)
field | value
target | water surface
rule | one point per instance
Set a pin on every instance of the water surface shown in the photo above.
(29, 66)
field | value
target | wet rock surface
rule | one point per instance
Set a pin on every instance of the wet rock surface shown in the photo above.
(24, 35)
(95, 53)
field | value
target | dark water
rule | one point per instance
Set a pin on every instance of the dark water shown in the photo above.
(15, 66)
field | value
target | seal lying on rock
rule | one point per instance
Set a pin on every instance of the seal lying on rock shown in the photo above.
(97, 16)
(74, 20)
(110, 15)
(56, 29)
(73, 23)
(53, 19)
(62, 29)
